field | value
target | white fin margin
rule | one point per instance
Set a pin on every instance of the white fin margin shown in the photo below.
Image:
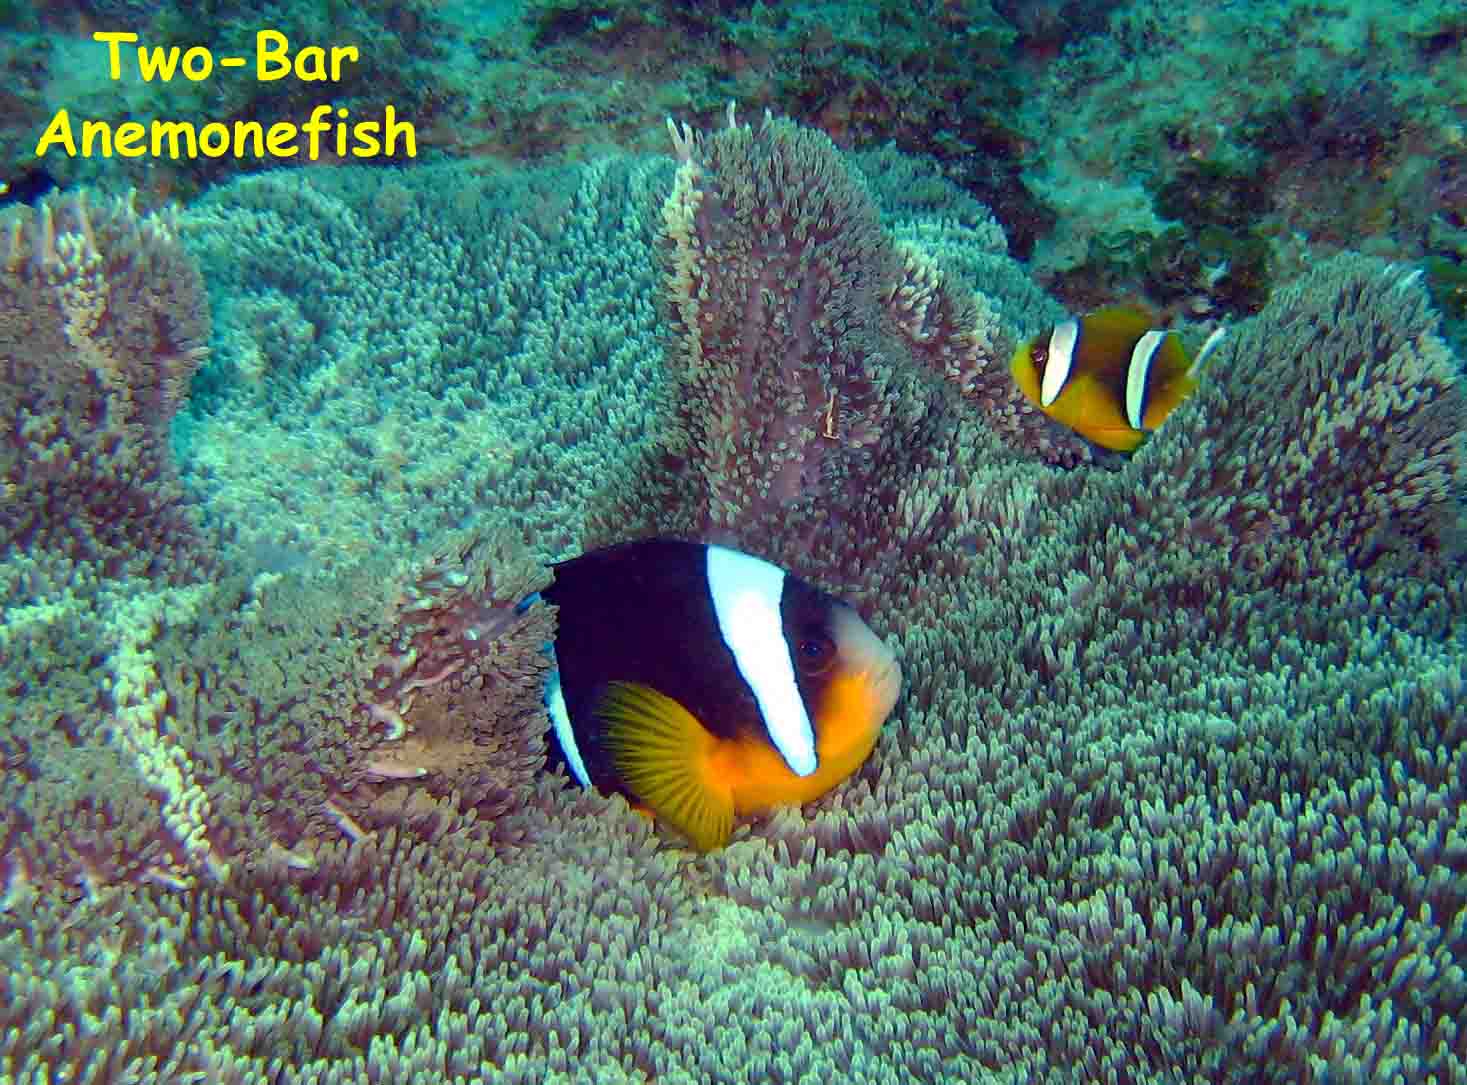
(564, 733)
(1213, 342)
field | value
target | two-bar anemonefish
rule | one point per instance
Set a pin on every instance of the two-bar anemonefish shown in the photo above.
(1111, 376)
(703, 683)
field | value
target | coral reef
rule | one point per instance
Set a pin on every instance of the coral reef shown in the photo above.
(819, 368)
(103, 322)
(1256, 138)
(245, 724)
(410, 349)
(460, 683)
(1177, 790)
(1188, 154)
(164, 720)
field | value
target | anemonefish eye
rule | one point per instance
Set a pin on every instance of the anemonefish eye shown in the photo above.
(1039, 353)
(815, 652)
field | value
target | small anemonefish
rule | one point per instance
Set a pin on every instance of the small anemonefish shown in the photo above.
(1110, 376)
(703, 683)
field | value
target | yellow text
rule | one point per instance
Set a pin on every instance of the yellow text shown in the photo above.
(242, 139)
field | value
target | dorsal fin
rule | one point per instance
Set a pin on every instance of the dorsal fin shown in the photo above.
(1107, 338)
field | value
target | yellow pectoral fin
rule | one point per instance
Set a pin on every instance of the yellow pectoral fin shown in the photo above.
(666, 758)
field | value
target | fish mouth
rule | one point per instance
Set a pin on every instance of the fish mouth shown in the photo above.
(868, 660)
(886, 686)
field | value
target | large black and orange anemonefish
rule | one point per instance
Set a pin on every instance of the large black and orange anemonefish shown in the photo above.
(704, 683)
(1112, 376)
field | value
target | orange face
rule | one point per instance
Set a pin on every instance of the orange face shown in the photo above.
(699, 780)
(859, 694)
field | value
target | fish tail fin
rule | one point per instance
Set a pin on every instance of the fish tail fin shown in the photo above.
(1208, 348)
(665, 757)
